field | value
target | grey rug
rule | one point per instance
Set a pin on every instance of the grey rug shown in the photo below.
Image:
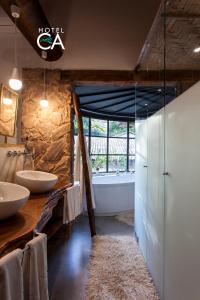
(117, 271)
(127, 217)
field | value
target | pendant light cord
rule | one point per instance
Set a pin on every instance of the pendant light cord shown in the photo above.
(44, 83)
(15, 44)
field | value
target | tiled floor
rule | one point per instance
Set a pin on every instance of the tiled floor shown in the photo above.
(68, 258)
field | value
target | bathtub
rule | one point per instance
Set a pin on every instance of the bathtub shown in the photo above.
(114, 194)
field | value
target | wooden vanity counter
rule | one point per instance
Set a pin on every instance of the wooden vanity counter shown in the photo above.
(17, 230)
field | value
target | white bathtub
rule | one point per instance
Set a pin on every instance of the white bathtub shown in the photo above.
(114, 194)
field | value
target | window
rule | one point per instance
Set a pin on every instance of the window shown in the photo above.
(99, 127)
(85, 126)
(111, 144)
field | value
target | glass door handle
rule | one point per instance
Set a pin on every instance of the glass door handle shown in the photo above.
(166, 173)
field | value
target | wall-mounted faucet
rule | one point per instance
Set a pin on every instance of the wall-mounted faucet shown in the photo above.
(26, 152)
(12, 153)
(18, 153)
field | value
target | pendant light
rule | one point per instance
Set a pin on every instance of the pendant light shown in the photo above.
(196, 50)
(15, 81)
(44, 102)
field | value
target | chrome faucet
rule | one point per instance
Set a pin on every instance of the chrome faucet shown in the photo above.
(12, 153)
(26, 152)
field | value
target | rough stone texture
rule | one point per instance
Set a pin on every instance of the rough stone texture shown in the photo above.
(48, 129)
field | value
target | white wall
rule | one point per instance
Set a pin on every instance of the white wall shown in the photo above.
(10, 165)
(182, 261)
(172, 236)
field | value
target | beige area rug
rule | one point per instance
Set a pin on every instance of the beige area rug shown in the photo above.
(117, 271)
(127, 218)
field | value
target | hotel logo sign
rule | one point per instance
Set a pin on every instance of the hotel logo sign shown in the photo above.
(48, 38)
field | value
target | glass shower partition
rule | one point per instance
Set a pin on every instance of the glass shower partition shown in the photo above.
(150, 129)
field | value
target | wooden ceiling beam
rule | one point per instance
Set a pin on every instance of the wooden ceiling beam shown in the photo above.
(180, 15)
(127, 78)
(32, 17)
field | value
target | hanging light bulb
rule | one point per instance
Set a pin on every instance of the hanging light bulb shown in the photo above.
(15, 81)
(196, 50)
(44, 102)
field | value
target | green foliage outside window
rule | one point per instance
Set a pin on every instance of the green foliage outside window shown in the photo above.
(117, 128)
(85, 126)
(98, 127)
(131, 129)
(117, 163)
(116, 133)
(98, 163)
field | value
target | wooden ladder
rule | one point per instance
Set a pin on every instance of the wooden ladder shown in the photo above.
(90, 209)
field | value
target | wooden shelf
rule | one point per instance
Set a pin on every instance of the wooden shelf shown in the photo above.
(17, 230)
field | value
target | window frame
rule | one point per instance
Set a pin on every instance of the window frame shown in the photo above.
(107, 137)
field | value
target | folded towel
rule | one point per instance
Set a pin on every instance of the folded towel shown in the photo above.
(72, 204)
(35, 269)
(79, 173)
(51, 203)
(11, 276)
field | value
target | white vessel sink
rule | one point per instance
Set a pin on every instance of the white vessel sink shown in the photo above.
(36, 181)
(12, 197)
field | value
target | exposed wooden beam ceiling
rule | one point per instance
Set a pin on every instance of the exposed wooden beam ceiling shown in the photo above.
(182, 37)
(181, 15)
(125, 78)
(149, 38)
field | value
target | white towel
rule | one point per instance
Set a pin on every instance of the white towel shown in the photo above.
(11, 276)
(72, 204)
(77, 161)
(35, 269)
(79, 173)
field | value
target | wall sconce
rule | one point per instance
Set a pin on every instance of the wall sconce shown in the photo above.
(7, 101)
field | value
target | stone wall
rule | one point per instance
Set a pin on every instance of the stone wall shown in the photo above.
(48, 129)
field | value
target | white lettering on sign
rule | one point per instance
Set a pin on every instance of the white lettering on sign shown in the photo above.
(50, 41)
